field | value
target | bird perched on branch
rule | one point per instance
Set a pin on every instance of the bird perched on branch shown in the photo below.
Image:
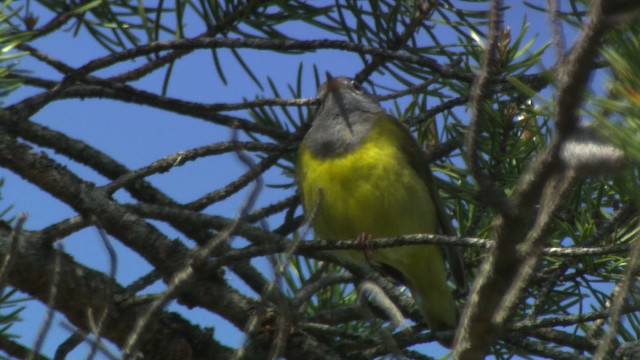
(362, 175)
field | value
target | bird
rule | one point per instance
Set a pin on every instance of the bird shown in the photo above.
(362, 175)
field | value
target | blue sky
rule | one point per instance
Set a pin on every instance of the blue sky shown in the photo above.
(137, 135)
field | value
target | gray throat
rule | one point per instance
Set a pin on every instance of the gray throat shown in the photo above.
(332, 134)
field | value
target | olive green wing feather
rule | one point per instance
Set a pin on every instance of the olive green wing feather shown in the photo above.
(417, 159)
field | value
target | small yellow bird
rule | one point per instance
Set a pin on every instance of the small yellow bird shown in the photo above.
(360, 171)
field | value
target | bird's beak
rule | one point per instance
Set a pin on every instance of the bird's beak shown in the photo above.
(332, 83)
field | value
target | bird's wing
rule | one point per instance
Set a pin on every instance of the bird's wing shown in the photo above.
(417, 159)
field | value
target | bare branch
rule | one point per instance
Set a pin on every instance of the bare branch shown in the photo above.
(68, 345)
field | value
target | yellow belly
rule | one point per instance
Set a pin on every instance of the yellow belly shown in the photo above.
(371, 190)
(374, 190)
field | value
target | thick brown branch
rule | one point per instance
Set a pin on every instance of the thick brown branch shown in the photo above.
(110, 168)
(165, 255)
(80, 291)
(497, 274)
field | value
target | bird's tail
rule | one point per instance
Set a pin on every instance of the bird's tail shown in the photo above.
(428, 285)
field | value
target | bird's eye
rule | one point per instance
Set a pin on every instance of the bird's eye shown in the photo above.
(356, 86)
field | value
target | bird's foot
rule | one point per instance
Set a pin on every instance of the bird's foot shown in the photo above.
(363, 240)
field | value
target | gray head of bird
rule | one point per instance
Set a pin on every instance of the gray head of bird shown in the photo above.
(344, 96)
(343, 119)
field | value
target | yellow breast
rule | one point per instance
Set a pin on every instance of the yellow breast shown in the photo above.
(373, 190)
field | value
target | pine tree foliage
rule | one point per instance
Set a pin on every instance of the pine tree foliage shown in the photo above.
(534, 143)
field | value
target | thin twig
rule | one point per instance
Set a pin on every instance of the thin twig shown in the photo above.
(556, 27)
(411, 90)
(568, 320)
(399, 41)
(238, 184)
(226, 23)
(305, 292)
(262, 44)
(46, 58)
(272, 209)
(312, 247)
(64, 228)
(537, 348)
(68, 345)
(572, 340)
(182, 157)
(432, 112)
(101, 346)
